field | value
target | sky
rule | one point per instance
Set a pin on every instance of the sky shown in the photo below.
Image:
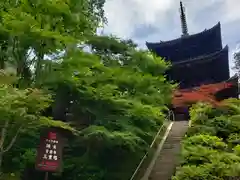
(155, 20)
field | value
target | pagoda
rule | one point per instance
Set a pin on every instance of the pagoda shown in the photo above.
(197, 60)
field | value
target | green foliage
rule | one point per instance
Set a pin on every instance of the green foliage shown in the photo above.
(201, 129)
(211, 171)
(234, 138)
(22, 109)
(11, 176)
(232, 106)
(118, 108)
(211, 148)
(205, 140)
(31, 30)
(21, 112)
(115, 100)
(114, 96)
(191, 155)
(237, 150)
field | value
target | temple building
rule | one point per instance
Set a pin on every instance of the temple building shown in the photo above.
(197, 60)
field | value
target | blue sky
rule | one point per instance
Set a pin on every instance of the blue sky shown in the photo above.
(155, 20)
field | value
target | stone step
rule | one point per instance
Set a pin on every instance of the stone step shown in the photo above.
(167, 160)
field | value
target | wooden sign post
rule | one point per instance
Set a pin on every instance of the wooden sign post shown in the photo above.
(46, 176)
(49, 154)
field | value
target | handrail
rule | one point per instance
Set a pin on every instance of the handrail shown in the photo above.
(153, 142)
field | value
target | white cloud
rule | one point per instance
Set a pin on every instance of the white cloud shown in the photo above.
(124, 15)
(231, 8)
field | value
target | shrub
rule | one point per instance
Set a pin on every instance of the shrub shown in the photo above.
(201, 129)
(208, 171)
(205, 140)
(211, 149)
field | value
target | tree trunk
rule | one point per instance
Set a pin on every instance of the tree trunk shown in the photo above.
(62, 101)
(3, 52)
(40, 58)
(2, 62)
(1, 158)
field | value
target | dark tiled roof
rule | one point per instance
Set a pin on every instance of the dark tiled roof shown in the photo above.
(212, 68)
(208, 57)
(188, 47)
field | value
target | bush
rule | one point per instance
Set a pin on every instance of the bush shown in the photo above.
(201, 129)
(237, 150)
(209, 171)
(233, 139)
(205, 140)
(211, 149)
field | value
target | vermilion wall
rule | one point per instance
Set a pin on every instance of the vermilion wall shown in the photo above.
(204, 93)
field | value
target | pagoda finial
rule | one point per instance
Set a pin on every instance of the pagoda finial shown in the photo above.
(183, 20)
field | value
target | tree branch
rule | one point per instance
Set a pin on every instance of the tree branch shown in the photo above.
(3, 133)
(12, 141)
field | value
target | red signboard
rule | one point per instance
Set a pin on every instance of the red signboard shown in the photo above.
(49, 155)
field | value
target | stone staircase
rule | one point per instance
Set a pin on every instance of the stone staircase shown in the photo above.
(166, 160)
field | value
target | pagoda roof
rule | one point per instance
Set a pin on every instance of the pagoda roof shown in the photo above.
(233, 79)
(208, 57)
(212, 68)
(186, 47)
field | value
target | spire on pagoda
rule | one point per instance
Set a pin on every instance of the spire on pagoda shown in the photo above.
(183, 20)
